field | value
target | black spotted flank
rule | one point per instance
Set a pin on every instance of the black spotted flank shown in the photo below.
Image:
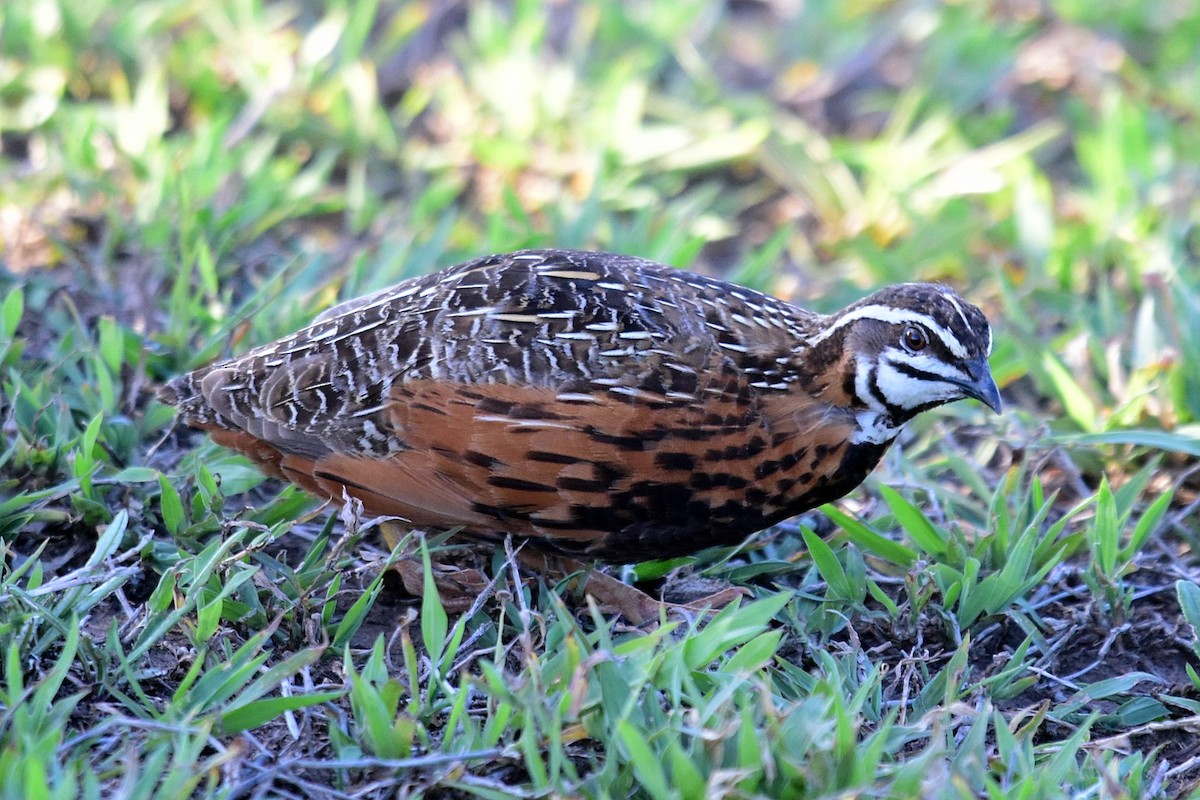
(571, 484)
(636, 441)
(547, 457)
(670, 461)
(491, 405)
(481, 459)
(519, 484)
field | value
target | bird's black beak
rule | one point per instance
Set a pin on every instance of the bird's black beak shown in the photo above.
(982, 386)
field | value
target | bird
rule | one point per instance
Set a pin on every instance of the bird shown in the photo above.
(592, 404)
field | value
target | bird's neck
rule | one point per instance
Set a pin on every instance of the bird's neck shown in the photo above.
(832, 374)
(875, 427)
(878, 421)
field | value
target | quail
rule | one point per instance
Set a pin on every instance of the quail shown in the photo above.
(593, 404)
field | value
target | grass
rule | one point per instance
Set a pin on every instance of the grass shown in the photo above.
(1007, 608)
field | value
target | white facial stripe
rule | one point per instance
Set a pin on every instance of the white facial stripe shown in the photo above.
(901, 390)
(862, 385)
(875, 425)
(962, 314)
(925, 363)
(908, 392)
(894, 316)
(898, 390)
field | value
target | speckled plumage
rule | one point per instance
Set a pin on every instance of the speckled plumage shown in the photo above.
(591, 402)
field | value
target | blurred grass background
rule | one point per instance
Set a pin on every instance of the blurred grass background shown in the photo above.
(180, 180)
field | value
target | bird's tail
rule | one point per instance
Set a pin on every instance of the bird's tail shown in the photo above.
(184, 392)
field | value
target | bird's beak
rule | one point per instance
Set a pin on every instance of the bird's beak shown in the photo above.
(982, 386)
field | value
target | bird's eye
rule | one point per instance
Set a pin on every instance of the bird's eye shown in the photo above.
(914, 338)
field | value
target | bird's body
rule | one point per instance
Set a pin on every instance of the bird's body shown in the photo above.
(589, 402)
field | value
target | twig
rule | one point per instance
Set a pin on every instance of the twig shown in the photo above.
(1191, 724)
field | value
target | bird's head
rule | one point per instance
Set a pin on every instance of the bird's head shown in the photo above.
(908, 348)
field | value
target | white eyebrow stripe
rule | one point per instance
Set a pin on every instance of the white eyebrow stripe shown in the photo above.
(962, 314)
(895, 316)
